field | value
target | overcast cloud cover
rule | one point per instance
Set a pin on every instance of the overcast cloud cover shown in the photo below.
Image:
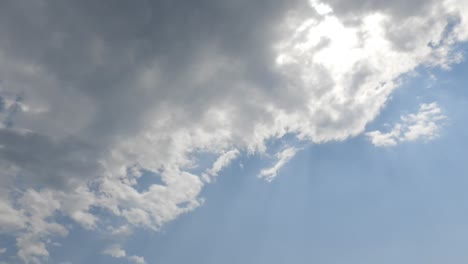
(96, 95)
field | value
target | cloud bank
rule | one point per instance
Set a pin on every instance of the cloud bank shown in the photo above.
(95, 93)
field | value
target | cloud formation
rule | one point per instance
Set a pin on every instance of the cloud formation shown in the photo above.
(423, 125)
(94, 93)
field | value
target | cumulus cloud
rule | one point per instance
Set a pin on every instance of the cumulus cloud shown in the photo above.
(424, 125)
(40, 207)
(93, 93)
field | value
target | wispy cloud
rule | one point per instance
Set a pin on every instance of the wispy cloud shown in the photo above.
(115, 251)
(223, 160)
(424, 125)
(282, 158)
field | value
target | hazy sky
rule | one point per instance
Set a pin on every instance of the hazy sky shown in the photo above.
(173, 132)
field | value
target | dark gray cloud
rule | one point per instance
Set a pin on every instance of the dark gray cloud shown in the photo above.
(99, 48)
(92, 53)
(42, 162)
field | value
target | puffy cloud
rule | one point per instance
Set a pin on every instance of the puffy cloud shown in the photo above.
(10, 218)
(93, 93)
(385, 139)
(40, 207)
(423, 125)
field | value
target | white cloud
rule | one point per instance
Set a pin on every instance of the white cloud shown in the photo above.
(32, 249)
(282, 158)
(320, 7)
(385, 139)
(114, 251)
(137, 259)
(3, 250)
(223, 160)
(86, 106)
(423, 125)
(10, 219)
(40, 208)
(124, 230)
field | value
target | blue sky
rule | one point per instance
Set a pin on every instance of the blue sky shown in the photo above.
(233, 132)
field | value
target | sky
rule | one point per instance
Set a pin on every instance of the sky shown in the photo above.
(167, 132)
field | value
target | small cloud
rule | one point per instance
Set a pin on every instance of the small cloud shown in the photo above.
(223, 160)
(115, 251)
(321, 8)
(137, 259)
(423, 125)
(123, 230)
(3, 250)
(282, 158)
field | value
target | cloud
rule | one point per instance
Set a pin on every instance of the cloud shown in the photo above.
(222, 161)
(116, 251)
(123, 230)
(3, 250)
(40, 208)
(137, 259)
(10, 219)
(423, 125)
(94, 93)
(282, 158)
(34, 155)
